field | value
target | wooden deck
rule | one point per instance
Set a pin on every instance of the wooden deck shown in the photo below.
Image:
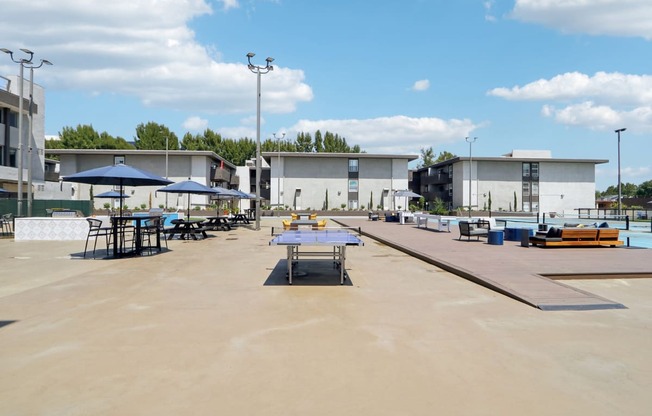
(510, 269)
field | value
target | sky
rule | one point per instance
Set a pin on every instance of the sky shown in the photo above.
(392, 76)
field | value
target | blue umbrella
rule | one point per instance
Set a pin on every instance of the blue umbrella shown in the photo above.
(111, 194)
(120, 175)
(188, 187)
(2, 190)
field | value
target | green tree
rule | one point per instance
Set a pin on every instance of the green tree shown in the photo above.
(152, 136)
(304, 143)
(85, 137)
(427, 157)
(443, 156)
(644, 190)
(319, 142)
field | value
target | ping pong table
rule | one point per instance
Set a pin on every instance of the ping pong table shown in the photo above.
(337, 239)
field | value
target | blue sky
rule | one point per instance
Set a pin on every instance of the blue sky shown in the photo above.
(390, 76)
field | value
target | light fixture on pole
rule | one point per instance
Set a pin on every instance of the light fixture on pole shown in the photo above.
(19, 151)
(278, 175)
(470, 141)
(258, 70)
(30, 134)
(619, 183)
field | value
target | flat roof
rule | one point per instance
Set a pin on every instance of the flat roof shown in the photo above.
(514, 159)
(206, 153)
(339, 155)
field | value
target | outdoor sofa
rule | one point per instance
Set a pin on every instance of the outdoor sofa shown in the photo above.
(577, 237)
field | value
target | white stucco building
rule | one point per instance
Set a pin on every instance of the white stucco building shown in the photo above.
(533, 179)
(301, 181)
(9, 140)
(204, 167)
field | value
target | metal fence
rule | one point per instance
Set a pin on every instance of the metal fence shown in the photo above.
(40, 207)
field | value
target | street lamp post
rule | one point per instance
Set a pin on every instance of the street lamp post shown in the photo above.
(166, 168)
(278, 175)
(258, 70)
(470, 141)
(619, 183)
(19, 151)
(30, 134)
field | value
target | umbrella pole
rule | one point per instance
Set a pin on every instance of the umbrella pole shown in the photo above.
(188, 212)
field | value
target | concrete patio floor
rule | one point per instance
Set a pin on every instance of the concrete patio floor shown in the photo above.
(205, 328)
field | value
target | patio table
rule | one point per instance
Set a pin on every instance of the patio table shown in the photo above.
(186, 229)
(240, 218)
(220, 222)
(120, 227)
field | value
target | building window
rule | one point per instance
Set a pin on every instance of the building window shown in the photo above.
(353, 165)
(353, 204)
(118, 160)
(353, 185)
(535, 188)
(526, 170)
(526, 189)
(13, 119)
(535, 171)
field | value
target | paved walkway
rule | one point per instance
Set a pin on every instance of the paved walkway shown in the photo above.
(513, 270)
(211, 327)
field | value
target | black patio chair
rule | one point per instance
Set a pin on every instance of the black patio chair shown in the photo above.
(95, 231)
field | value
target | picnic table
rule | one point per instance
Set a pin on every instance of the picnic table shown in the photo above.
(304, 222)
(337, 239)
(220, 222)
(240, 217)
(186, 229)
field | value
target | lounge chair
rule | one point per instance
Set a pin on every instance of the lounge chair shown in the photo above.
(473, 229)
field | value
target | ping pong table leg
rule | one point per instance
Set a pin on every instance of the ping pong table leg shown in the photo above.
(290, 255)
(342, 263)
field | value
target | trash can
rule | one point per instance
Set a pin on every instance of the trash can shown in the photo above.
(495, 237)
(525, 237)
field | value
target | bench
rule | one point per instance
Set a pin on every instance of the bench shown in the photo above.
(443, 223)
(577, 237)
(473, 229)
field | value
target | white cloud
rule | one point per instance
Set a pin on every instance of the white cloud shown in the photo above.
(603, 86)
(143, 49)
(488, 16)
(230, 4)
(397, 134)
(602, 101)
(595, 17)
(601, 117)
(195, 123)
(421, 85)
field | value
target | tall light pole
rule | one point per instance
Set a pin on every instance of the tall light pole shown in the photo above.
(470, 141)
(258, 70)
(278, 177)
(19, 151)
(166, 168)
(30, 134)
(619, 183)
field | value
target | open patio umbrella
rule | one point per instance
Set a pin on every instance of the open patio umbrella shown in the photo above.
(111, 194)
(117, 175)
(188, 187)
(406, 193)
